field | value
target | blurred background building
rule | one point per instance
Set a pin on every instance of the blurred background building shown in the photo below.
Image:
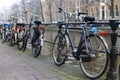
(48, 9)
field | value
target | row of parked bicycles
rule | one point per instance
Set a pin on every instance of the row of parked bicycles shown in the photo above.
(92, 51)
(21, 35)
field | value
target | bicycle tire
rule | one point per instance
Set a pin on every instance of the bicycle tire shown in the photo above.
(25, 40)
(94, 67)
(12, 40)
(36, 50)
(60, 44)
(20, 43)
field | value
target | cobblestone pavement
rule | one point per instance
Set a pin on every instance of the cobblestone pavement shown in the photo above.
(18, 65)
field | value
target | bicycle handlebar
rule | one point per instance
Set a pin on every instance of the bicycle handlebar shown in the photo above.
(79, 13)
(17, 17)
(32, 14)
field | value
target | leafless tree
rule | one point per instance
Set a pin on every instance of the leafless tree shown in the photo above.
(41, 9)
(24, 10)
(49, 3)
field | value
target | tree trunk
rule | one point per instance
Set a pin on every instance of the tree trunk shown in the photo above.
(24, 11)
(112, 8)
(41, 10)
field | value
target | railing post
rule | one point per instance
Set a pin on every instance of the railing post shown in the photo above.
(112, 74)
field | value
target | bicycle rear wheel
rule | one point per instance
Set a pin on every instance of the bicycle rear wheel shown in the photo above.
(95, 64)
(36, 49)
(20, 44)
(25, 40)
(59, 49)
(12, 40)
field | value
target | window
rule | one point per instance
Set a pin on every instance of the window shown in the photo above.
(98, 0)
(116, 10)
(87, 11)
(109, 9)
(102, 0)
(86, 1)
(92, 12)
(97, 12)
(103, 12)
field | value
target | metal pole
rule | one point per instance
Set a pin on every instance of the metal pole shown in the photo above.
(112, 74)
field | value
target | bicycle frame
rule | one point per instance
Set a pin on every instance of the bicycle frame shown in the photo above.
(76, 53)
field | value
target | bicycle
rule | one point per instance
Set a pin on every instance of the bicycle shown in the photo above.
(91, 53)
(36, 39)
(20, 35)
(12, 36)
(16, 31)
(7, 32)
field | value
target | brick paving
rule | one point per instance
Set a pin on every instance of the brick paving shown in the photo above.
(18, 65)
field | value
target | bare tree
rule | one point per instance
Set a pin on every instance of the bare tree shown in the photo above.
(24, 11)
(112, 8)
(110, 4)
(49, 3)
(15, 8)
(41, 9)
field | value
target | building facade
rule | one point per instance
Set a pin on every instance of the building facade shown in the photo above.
(101, 9)
(50, 9)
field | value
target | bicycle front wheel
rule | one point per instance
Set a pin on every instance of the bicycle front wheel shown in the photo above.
(20, 45)
(12, 40)
(36, 49)
(59, 49)
(96, 60)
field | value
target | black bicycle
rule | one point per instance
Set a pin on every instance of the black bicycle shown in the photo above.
(92, 51)
(35, 36)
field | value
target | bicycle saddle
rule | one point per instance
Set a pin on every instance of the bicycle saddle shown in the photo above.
(89, 18)
(37, 22)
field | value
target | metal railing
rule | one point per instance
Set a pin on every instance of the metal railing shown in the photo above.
(114, 24)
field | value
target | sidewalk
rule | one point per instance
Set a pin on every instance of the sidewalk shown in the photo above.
(18, 65)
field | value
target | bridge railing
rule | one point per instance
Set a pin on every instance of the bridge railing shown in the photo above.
(114, 24)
